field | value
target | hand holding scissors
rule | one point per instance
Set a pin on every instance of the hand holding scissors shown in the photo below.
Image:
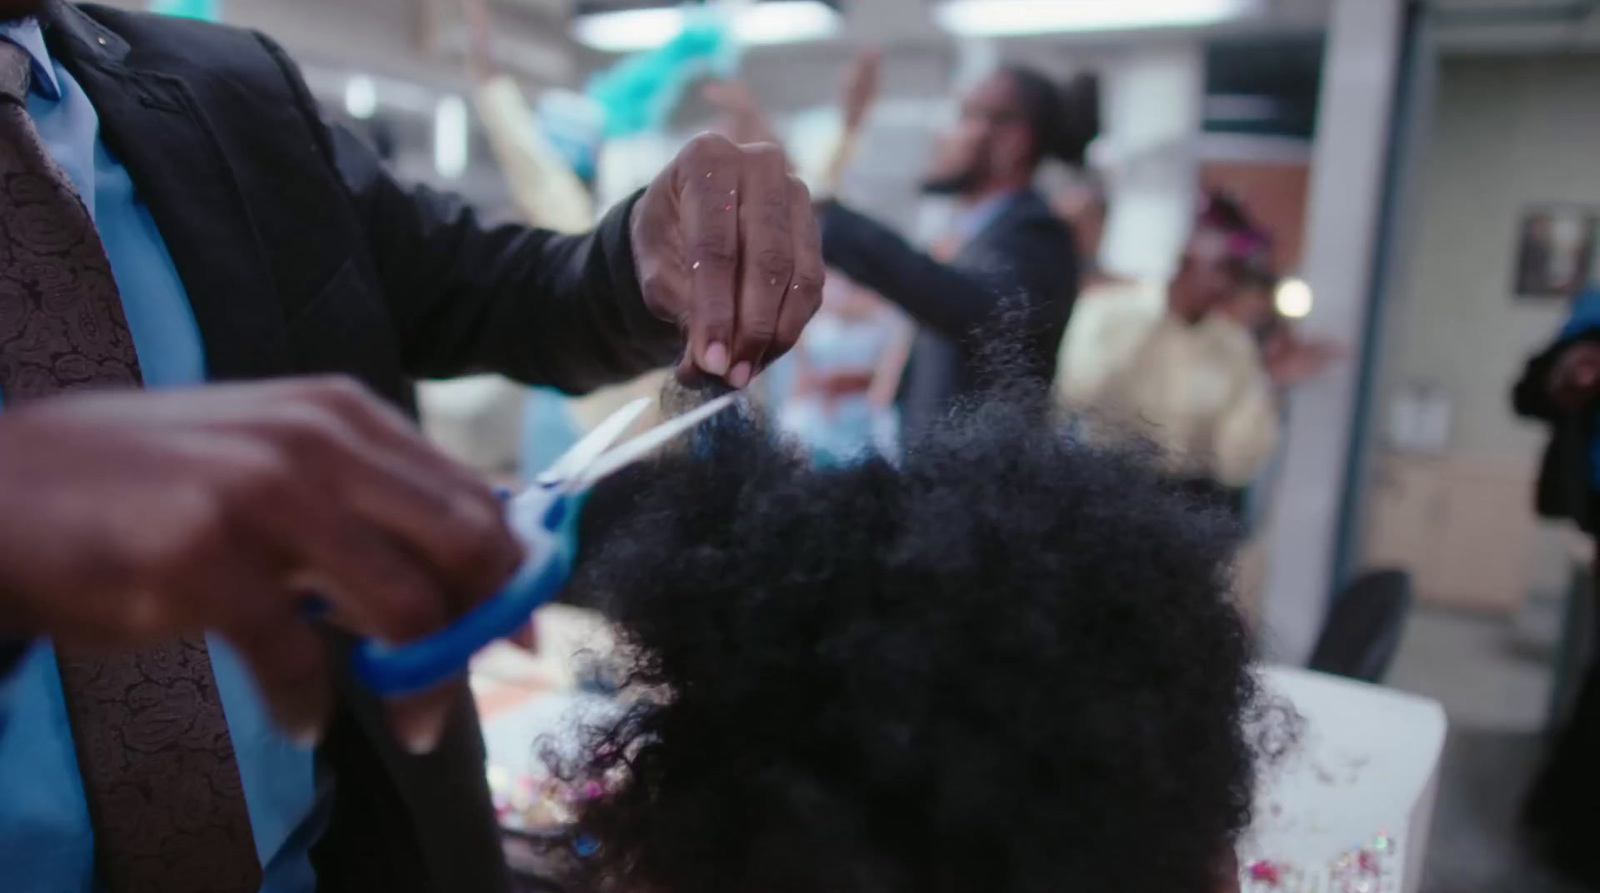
(545, 517)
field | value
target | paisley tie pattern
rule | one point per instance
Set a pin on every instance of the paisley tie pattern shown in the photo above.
(157, 762)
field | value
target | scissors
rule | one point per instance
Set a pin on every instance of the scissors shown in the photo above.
(545, 518)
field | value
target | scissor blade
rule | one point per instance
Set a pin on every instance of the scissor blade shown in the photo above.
(651, 440)
(577, 460)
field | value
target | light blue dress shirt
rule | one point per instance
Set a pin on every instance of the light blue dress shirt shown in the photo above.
(46, 840)
(971, 222)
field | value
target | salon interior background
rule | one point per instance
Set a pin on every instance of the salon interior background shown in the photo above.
(1291, 103)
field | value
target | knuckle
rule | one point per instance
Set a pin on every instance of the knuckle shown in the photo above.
(304, 431)
(755, 337)
(340, 393)
(808, 283)
(769, 156)
(716, 251)
(775, 265)
(709, 148)
(799, 192)
(192, 534)
(250, 476)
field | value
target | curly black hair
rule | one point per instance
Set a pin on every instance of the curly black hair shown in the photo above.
(1008, 664)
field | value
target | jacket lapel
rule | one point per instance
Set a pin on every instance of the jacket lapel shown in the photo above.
(152, 124)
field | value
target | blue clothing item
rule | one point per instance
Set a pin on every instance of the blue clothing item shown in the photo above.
(1583, 319)
(847, 428)
(46, 839)
(971, 222)
(548, 431)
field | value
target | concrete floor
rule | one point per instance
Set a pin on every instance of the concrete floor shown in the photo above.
(1493, 677)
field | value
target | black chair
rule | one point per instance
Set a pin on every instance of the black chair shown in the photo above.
(1364, 627)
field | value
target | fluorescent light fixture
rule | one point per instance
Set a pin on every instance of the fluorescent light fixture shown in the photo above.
(754, 24)
(1294, 298)
(452, 142)
(361, 97)
(1003, 18)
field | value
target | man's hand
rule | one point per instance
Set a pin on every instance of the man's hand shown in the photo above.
(727, 246)
(1576, 378)
(133, 517)
(1292, 361)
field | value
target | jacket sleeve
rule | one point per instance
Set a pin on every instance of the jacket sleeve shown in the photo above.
(466, 297)
(12, 653)
(953, 302)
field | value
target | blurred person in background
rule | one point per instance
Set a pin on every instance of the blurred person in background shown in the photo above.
(1172, 365)
(548, 193)
(1560, 387)
(1007, 247)
(847, 370)
(1086, 207)
(177, 212)
(1290, 358)
(835, 393)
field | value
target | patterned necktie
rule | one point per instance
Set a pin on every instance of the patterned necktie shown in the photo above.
(157, 761)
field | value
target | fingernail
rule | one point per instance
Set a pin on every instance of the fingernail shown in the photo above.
(716, 359)
(740, 376)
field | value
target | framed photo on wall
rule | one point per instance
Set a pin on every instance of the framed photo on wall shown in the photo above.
(1555, 250)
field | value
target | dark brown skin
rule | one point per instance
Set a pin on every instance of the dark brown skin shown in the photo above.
(990, 150)
(131, 517)
(1204, 280)
(728, 247)
(1575, 380)
(128, 518)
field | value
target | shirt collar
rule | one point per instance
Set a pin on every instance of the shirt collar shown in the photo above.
(27, 34)
(972, 221)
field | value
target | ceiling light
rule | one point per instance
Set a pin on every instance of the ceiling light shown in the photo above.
(1294, 298)
(452, 142)
(999, 18)
(360, 97)
(754, 24)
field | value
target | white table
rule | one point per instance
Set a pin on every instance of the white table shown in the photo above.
(1367, 763)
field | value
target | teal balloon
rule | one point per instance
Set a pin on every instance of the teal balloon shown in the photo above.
(204, 10)
(639, 93)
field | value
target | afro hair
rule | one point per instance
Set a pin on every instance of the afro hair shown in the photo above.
(1007, 664)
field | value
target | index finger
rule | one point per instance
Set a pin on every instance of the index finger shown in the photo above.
(709, 203)
(766, 258)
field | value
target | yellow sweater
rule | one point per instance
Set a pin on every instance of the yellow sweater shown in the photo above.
(1198, 391)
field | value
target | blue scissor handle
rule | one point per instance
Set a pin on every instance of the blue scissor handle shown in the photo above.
(390, 670)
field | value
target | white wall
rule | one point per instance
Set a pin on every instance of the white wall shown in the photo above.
(1508, 132)
(1349, 160)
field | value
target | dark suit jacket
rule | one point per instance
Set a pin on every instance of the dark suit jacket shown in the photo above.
(1023, 260)
(301, 255)
(1565, 489)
